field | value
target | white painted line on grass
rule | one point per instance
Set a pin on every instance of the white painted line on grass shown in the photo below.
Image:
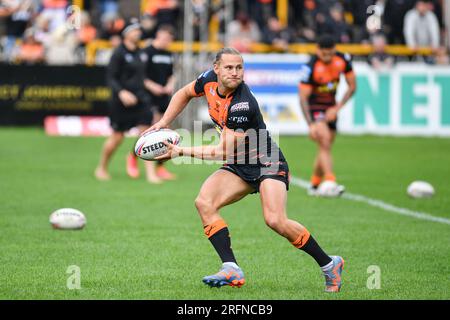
(379, 204)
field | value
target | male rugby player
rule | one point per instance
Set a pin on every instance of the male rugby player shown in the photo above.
(254, 163)
(129, 105)
(317, 98)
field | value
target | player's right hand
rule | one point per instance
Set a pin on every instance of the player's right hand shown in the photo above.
(127, 98)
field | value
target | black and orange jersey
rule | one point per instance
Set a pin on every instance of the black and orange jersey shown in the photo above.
(238, 111)
(324, 79)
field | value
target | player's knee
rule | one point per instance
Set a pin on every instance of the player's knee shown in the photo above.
(117, 138)
(275, 222)
(204, 205)
(325, 143)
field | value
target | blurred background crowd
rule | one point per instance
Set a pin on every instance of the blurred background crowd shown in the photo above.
(58, 32)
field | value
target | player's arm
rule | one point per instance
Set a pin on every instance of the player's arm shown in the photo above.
(229, 141)
(170, 85)
(153, 87)
(305, 91)
(351, 82)
(113, 71)
(331, 113)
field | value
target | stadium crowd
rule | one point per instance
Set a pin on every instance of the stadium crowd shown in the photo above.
(55, 33)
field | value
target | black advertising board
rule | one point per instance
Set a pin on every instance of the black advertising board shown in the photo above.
(30, 93)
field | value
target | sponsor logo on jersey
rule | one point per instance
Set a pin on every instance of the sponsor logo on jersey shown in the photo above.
(129, 57)
(242, 106)
(240, 119)
(144, 57)
(159, 58)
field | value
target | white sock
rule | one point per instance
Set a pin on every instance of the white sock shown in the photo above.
(327, 267)
(231, 264)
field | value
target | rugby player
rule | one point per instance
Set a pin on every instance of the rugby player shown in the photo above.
(129, 105)
(254, 163)
(317, 92)
(160, 80)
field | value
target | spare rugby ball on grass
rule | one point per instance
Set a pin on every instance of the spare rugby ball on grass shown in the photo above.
(420, 189)
(67, 219)
(328, 189)
(151, 144)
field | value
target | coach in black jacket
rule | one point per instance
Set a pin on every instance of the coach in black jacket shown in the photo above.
(130, 101)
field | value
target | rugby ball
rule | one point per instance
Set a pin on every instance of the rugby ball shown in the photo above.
(151, 144)
(67, 219)
(420, 189)
(328, 189)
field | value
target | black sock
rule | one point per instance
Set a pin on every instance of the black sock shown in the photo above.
(222, 243)
(312, 248)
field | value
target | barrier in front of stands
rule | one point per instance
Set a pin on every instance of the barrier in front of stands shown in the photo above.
(353, 49)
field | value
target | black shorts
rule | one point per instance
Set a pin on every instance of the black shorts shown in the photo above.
(255, 174)
(123, 119)
(160, 103)
(319, 115)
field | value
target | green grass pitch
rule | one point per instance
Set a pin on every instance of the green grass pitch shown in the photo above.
(146, 242)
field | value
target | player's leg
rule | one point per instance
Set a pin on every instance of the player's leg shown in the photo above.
(325, 142)
(317, 175)
(220, 189)
(273, 200)
(109, 147)
(319, 167)
(150, 167)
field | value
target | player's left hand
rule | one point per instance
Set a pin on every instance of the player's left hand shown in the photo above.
(331, 114)
(173, 151)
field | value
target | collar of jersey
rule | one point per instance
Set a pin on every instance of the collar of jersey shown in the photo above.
(224, 97)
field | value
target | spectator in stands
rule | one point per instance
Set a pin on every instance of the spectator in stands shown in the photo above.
(165, 11)
(421, 27)
(55, 10)
(261, 11)
(304, 20)
(380, 59)
(18, 15)
(242, 33)
(276, 35)
(62, 46)
(42, 29)
(30, 50)
(394, 12)
(112, 26)
(441, 56)
(109, 6)
(358, 10)
(87, 31)
(148, 27)
(335, 25)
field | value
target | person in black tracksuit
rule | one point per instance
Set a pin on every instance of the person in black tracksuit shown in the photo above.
(130, 102)
(160, 80)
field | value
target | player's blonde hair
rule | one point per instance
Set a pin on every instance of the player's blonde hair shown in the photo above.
(226, 50)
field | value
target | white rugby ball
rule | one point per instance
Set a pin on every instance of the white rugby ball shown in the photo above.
(328, 189)
(151, 144)
(420, 189)
(68, 219)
